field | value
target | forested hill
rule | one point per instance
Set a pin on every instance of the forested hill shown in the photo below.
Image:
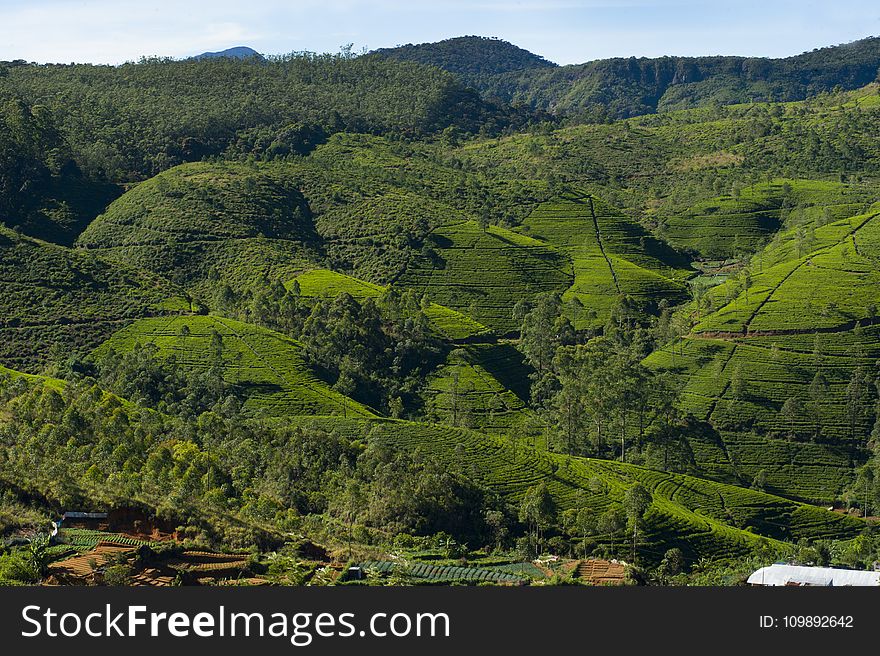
(469, 56)
(624, 87)
(133, 121)
(238, 52)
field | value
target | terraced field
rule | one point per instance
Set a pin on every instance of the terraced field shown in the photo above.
(727, 225)
(802, 330)
(475, 387)
(376, 237)
(611, 256)
(699, 516)
(199, 222)
(59, 300)
(447, 323)
(483, 273)
(265, 366)
(439, 574)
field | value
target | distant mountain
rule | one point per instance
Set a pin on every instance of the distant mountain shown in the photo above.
(239, 52)
(623, 87)
(469, 57)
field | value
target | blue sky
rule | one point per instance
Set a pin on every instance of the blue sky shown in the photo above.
(564, 31)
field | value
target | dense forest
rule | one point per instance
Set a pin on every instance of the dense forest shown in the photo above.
(443, 311)
(619, 88)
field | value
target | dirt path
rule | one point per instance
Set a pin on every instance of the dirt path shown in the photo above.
(601, 246)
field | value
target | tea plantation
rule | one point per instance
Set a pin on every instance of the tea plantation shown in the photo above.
(57, 300)
(611, 256)
(322, 283)
(697, 515)
(484, 272)
(265, 367)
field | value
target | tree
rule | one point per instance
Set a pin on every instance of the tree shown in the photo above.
(673, 562)
(496, 522)
(856, 398)
(819, 390)
(350, 504)
(612, 522)
(537, 510)
(759, 482)
(792, 411)
(636, 502)
(738, 385)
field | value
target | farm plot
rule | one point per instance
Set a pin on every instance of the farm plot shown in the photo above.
(446, 322)
(740, 386)
(470, 388)
(700, 516)
(442, 574)
(57, 298)
(727, 225)
(832, 287)
(199, 222)
(483, 273)
(611, 256)
(266, 366)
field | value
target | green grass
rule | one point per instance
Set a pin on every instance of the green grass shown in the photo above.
(447, 323)
(266, 367)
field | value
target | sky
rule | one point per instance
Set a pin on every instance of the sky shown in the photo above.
(563, 31)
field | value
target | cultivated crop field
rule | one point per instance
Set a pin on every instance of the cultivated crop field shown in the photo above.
(697, 515)
(323, 283)
(611, 256)
(266, 367)
(56, 299)
(733, 224)
(442, 573)
(469, 389)
(483, 273)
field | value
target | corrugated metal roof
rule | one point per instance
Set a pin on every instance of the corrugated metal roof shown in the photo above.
(812, 576)
(84, 515)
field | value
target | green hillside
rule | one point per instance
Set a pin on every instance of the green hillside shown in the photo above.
(801, 333)
(480, 386)
(345, 307)
(264, 367)
(57, 302)
(483, 273)
(157, 113)
(622, 87)
(201, 222)
(698, 516)
(611, 256)
(447, 323)
(732, 225)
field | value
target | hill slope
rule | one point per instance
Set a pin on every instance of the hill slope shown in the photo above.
(199, 223)
(237, 52)
(784, 367)
(471, 58)
(623, 87)
(56, 302)
(611, 256)
(698, 516)
(264, 367)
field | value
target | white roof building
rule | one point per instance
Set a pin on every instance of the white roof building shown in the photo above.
(797, 575)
